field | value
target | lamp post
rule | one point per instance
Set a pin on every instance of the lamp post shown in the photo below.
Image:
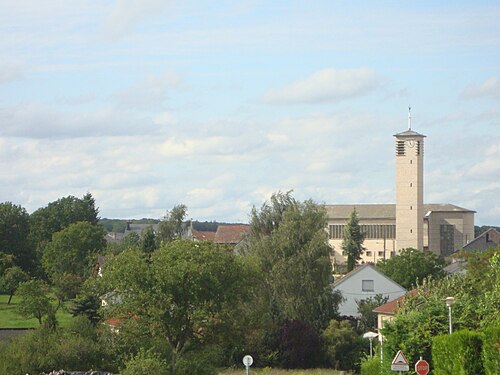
(370, 336)
(450, 301)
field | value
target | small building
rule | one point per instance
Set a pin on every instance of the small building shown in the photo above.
(362, 283)
(486, 240)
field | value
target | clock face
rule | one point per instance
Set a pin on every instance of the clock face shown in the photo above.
(411, 143)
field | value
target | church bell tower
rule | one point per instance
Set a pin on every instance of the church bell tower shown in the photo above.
(409, 188)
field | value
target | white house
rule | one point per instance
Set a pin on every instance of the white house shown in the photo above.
(361, 283)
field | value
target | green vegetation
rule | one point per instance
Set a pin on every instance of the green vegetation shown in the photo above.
(271, 371)
(352, 242)
(10, 317)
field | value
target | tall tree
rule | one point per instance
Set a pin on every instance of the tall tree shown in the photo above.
(72, 250)
(412, 266)
(171, 227)
(289, 239)
(11, 279)
(60, 214)
(14, 230)
(148, 240)
(195, 288)
(34, 300)
(353, 240)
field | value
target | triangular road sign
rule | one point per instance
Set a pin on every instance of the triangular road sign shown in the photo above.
(399, 359)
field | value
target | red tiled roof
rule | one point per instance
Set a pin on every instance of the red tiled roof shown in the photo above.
(393, 306)
(231, 234)
(202, 235)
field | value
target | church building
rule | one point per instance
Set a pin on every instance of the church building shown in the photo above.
(440, 228)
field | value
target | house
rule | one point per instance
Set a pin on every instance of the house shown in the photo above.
(387, 311)
(485, 241)
(202, 235)
(231, 234)
(361, 283)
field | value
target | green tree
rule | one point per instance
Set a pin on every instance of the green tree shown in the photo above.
(195, 288)
(289, 240)
(87, 305)
(34, 301)
(145, 362)
(14, 230)
(73, 250)
(66, 286)
(61, 214)
(352, 243)
(171, 227)
(412, 266)
(368, 318)
(11, 279)
(148, 240)
(343, 346)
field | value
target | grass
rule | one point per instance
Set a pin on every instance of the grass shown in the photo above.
(270, 371)
(10, 318)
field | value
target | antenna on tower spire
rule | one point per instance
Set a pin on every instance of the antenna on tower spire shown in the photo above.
(409, 118)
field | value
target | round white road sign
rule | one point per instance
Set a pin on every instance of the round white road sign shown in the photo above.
(247, 360)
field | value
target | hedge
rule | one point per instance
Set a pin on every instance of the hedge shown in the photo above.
(491, 350)
(458, 354)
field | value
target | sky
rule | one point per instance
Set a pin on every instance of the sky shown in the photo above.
(217, 104)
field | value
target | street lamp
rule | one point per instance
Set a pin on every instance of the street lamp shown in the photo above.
(450, 301)
(370, 336)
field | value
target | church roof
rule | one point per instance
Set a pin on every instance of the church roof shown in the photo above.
(409, 133)
(383, 211)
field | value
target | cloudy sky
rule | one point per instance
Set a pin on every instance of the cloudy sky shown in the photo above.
(217, 104)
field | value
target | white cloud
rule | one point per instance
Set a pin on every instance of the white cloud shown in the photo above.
(127, 14)
(10, 72)
(326, 85)
(488, 88)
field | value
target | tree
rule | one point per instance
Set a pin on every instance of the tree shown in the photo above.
(171, 227)
(73, 250)
(412, 266)
(343, 347)
(195, 288)
(299, 345)
(145, 362)
(14, 230)
(60, 214)
(11, 279)
(34, 301)
(290, 242)
(368, 319)
(87, 305)
(65, 286)
(148, 241)
(353, 240)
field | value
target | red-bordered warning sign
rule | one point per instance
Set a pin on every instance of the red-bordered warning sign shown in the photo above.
(399, 363)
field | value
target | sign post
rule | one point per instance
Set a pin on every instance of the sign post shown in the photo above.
(399, 363)
(247, 361)
(422, 367)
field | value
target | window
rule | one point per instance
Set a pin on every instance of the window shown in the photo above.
(376, 231)
(367, 285)
(336, 231)
(368, 253)
(447, 239)
(380, 253)
(400, 148)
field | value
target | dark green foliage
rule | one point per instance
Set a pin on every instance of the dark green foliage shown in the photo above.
(34, 300)
(491, 350)
(412, 266)
(368, 318)
(289, 240)
(14, 236)
(87, 305)
(202, 361)
(60, 214)
(148, 240)
(352, 242)
(73, 250)
(171, 227)
(370, 366)
(457, 354)
(113, 225)
(343, 347)
(145, 362)
(11, 279)
(46, 349)
(300, 345)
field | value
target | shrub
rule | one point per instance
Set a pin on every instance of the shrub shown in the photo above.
(458, 354)
(342, 345)
(370, 366)
(200, 362)
(145, 362)
(491, 350)
(300, 345)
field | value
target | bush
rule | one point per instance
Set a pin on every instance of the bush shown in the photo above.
(370, 366)
(491, 350)
(145, 362)
(200, 362)
(300, 345)
(342, 345)
(458, 354)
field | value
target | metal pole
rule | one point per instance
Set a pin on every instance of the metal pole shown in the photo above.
(451, 327)
(371, 348)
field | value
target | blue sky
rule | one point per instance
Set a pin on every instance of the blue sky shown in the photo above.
(151, 103)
